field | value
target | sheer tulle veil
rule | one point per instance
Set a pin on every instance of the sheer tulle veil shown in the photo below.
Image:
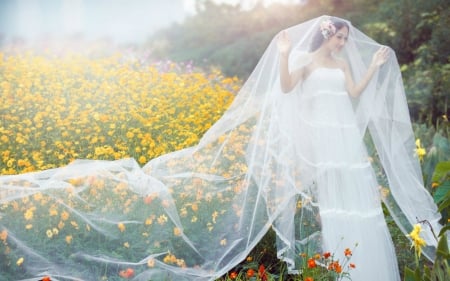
(196, 213)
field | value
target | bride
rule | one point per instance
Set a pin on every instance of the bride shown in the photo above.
(291, 153)
(342, 184)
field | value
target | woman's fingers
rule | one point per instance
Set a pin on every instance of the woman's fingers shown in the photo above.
(284, 42)
(381, 55)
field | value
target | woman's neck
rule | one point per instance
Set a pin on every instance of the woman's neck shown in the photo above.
(323, 53)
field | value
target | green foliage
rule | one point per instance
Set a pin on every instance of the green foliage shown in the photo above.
(227, 36)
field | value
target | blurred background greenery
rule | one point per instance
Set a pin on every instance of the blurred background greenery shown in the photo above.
(233, 39)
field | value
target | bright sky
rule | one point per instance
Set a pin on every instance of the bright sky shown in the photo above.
(189, 5)
(120, 20)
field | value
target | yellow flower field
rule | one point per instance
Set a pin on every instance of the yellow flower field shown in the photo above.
(54, 110)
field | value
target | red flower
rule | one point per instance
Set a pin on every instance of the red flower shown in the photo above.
(233, 275)
(127, 273)
(262, 273)
(352, 265)
(326, 255)
(250, 273)
(46, 278)
(148, 199)
(311, 263)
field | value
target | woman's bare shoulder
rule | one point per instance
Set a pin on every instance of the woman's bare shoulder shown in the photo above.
(301, 60)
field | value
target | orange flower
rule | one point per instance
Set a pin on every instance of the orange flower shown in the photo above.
(352, 265)
(127, 273)
(233, 275)
(46, 278)
(250, 273)
(3, 235)
(311, 263)
(335, 266)
(326, 255)
(348, 252)
(309, 279)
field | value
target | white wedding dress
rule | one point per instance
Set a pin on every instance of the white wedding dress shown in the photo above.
(343, 181)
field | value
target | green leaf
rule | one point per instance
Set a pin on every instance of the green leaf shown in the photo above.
(442, 192)
(409, 274)
(445, 202)
(441, 171)
(444, 229)
(427, 273)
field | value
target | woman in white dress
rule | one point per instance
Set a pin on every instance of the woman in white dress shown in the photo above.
(295, 162)
(343, 182)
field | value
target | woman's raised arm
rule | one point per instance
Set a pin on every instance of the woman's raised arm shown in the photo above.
(378, 59)
(288, 80)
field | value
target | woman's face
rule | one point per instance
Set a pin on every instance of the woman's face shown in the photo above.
(338, 40)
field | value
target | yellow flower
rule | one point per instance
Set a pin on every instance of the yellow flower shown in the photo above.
(74, 224)
(126, 245)
(20, 261)
(148, 221)
(130, 135)
(417, 241)
(162, 219)
(214, 216)
(151, 262)
(142, 159)
(53, 212)
(49, 233)
(177, 231)
(29, 214)
(65, 215)
(121, 227)
(420, 151)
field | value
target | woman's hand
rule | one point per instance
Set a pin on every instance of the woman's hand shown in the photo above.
(284, 43)
(380, 56)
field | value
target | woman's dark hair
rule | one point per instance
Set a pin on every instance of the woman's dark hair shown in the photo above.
(318, 37)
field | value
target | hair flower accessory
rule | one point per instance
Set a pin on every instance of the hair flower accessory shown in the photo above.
(327, 28)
